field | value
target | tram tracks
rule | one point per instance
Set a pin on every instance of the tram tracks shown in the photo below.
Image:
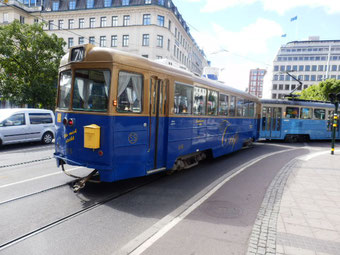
(72, 215)
(26, 162)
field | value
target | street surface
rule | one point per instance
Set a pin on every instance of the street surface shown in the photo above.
(208, 209)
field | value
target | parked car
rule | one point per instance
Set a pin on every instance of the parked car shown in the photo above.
(26, 125)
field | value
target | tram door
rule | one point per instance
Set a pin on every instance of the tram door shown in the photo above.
(271, 122)
(158, 123)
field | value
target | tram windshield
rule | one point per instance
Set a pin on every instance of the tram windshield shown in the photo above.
(90, 90)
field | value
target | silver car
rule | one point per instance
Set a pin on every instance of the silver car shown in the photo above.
(26, 125)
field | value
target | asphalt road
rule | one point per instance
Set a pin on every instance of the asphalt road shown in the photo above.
(163, 215)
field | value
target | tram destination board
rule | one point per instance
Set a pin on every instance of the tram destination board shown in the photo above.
(77, 54)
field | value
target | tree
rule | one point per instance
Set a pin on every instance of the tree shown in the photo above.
(29, 61)
(321, 90)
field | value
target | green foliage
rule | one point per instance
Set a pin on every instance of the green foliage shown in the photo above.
(29, 60)
(321, 90)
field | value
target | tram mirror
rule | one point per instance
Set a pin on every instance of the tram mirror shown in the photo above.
(332, 97)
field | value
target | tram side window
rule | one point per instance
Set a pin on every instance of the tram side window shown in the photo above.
(130, 92)
(292, 112)
(306, 113)
(183, 99)
(65, 81)
(212, 102)
(224, 105)
(320, 114)
(232, 106)
(240, 106)
(251, 109)
(200, 96)
(91, 90)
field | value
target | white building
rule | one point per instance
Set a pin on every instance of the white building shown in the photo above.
(309, 61)
(151, 28)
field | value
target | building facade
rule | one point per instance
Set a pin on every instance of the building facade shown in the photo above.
(150, 28)
(255, 86)
(310, 62)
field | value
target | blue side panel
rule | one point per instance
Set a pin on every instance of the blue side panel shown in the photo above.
(131, 147)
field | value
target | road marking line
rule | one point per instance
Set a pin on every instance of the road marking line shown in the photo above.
(315, 154)
(36, 178)
(142, 242)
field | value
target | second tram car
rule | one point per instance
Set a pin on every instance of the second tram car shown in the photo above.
(296, 120)
(127, 116)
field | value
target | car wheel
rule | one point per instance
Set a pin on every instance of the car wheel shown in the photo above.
(47, 138)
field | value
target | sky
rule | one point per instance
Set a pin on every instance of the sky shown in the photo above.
(239, 35)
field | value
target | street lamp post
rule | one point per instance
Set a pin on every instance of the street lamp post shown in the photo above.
(335, 99)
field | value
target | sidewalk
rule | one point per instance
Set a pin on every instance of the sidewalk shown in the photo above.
(300, 214)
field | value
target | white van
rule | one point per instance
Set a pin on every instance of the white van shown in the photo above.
(26, 125)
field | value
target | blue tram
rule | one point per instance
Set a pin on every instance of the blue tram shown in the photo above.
(296, 120)
(127, 116)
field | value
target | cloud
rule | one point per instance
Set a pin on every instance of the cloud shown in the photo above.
(330, 6)
(238, 52)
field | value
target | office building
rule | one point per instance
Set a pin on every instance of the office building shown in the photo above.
(151, 28)
(310, 62)
(255, 86)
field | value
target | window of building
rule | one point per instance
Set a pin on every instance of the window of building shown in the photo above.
(319, 77)
(60, 24)
(212, 102)
(160, 41)
(72, 5)
(55, 6)
(125, 40)
(160, 20)
(107, 3)
(305, 86)
(282, 68)
(183, 99)
(306, 77)
(126, 20)
(306, 113)
(114, 21)
(146, 19)
(145, 56)
(274, 86)
(125, 2)
(168, 44)
(295, 68)
(293, 87)
(70, 23)
(161, 2)
(50, 25)
(282, 77)
(199, 105)
(81, 23)
(286, 87)
(70, 42)
(313, 77)
(130, 92)
(273, 96)
(287, 78)
(146, 40)
(92, 40)
(300, 68)
(224, 105)
(103, 22)
(280, 86)
(334, 68)
(92, 22)
(169, 27)
(147, 1)
(102, 42)
(276, 68)
(114, 41)
(81, 40)
(320, 68)
(276, 77)
(288, 68)
(300, 77)
(307, 68)
(292, 112)
(314, 68)
(89, 4)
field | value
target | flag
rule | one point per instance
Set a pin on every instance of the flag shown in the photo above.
(294, 18)
(284, 35)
